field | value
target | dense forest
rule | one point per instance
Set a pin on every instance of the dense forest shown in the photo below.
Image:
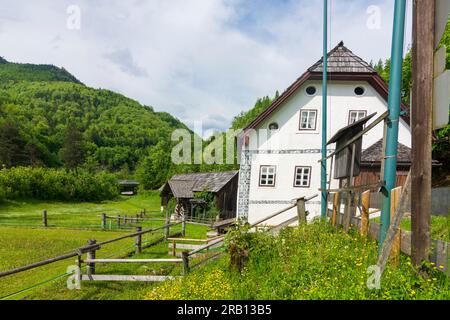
(48, 118)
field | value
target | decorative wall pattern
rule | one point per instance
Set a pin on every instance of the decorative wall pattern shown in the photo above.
(245, 173)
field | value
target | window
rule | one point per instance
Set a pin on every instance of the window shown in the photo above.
(311, 90)
(308, 119)
(359, 91)
(356, 115)
(273, 126)
(267, 176)
(302, 177)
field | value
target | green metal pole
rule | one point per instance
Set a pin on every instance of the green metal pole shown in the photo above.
(394, 102)
(323, 181)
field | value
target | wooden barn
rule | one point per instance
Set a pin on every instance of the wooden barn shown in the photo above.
(183, 187)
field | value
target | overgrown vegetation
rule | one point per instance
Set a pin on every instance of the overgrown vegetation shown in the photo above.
(311, 262)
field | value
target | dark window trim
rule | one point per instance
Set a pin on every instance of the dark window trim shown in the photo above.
(360, 95)
(350, 113)
(311, 95)
(274, 176)
(300, 120)
(309, 176)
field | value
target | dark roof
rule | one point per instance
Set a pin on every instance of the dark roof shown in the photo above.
(341, 59)
(184, 185)
(128, 183)
(348, 61)
(350, 127)
(374, 153)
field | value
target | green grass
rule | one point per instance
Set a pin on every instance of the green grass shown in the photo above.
(439, 228)
(28, 212)
(26, 242)
(312, 262)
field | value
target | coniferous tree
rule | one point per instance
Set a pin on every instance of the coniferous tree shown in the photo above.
(73, 151)
(11, 145)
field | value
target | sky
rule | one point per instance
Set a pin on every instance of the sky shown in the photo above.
(200, 60)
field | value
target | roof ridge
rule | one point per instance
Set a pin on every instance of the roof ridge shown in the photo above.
(318, 66)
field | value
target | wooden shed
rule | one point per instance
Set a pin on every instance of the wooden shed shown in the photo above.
(184, 186)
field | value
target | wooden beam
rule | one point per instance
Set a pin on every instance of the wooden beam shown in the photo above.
(396, 244)
(132, 260)
(365, 206)
(421, 126)
(107, 277)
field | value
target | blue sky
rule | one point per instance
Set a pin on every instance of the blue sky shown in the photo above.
(197, 59)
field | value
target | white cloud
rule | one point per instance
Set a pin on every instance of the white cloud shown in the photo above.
(197, 59)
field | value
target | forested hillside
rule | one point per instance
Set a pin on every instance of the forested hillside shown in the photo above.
(48, 118)
(33, 72)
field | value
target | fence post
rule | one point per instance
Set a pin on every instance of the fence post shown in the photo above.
(185, 257)
(174, 248)
(91, 256)
(347, 211)
(336, 209)
(183, 225)
(301, 211)
(365, 205)
(396, 245)
(103, 220)
(144, 213)
(166, 228)
(118, 221)
(44, 218)
(137, 217)
(125, 220)
(138, 240)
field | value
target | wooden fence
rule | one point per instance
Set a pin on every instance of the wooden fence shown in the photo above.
(439, 253)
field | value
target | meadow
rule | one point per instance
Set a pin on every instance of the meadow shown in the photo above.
(71, 224)
(311, 262)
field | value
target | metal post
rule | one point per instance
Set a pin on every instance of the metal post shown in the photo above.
(324, 112)
(394, 102)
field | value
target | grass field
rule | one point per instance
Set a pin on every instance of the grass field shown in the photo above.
(25, 241)
(439, 228)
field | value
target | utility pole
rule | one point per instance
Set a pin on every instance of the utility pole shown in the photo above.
(394, 101)
(421, 125)
(323, 181)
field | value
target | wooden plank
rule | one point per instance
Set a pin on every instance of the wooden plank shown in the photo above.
(107, 277)
(336, 208)
(185, 246)
(132, 260)
(396, 244)
(421, 126)
(365, 205)
(301, 211)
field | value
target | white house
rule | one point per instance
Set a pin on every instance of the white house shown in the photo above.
(283, 144)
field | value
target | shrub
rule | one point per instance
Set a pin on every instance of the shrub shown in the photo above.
(53, 184)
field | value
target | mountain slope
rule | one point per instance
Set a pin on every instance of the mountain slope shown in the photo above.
(33, 72)
(118, 132)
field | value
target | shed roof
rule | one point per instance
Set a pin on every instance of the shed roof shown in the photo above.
(375, 153)
(350, 127)
(184, 185)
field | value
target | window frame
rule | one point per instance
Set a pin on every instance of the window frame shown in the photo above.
(300, 120)
(309, 176)
(274, 176)
(350, 115)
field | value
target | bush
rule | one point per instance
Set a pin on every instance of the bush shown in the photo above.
(53, 184)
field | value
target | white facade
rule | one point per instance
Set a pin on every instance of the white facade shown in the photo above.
(289, 147)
